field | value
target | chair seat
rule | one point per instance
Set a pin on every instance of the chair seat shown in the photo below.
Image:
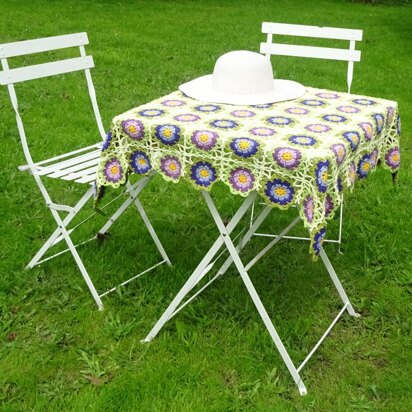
(79, 166)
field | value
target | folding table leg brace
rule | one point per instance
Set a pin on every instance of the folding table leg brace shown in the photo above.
(62, 233)
(206, 264)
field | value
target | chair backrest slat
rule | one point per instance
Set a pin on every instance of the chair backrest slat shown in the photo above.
(310, 51)
(38, 71)
(311, 31)
(21, 48)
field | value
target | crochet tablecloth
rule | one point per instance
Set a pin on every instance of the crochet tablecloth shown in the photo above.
(302, 152)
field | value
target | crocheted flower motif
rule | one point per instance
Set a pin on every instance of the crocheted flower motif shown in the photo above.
(321, 174)
(107, 141)
(303, 140)
(308, 208)
(364, 166)
(286, 157)
(241, 179)
(207, 108)
(186, 117)
(173, 103)
(368, 130)
(204, 139)
(133, 128)
(140, 162)
(335, 118)
(353, 138)
(279, 191)
(313, 102)
(364, 102)
(318, 240)
(374, 157)
(113, 171)
(352, 173)
(327, 95)
(171, 167)
(279, 121)
(398, 125)
(339, 184)
(151, 112)
(244, 147)
(393, 157)
(168, 133)
(379, 121)
(203, 174)
(318, 128)
(329, 205)
(224, 124)
(389, 116)
(262, 131)
(297, 110)
(243, 113)
(340, 152)
(348, 109)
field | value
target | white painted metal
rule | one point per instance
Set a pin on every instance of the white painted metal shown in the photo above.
(311, 31)
(327, 53)
(79, 165)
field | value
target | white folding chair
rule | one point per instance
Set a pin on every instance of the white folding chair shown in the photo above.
(345, 54)
(77, 166)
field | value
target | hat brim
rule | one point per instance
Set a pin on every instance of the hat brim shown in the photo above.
(202, 89)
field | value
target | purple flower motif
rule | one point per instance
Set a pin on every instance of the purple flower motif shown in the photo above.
(243, 113)
(364, 166)
(168, 133)
(308, 208)
(224, 124)
(241, 179)
(171, 167)
(364, 102)
(244, 147)
(389, 116)
(329, 205)
(106, 143)
(348, 109)
(279, 120)
(318, 240)
(352, 173)
(203, 139)
(328, 95)
(353, 138)
(286, 157)
(398, 125)
(297, 110)
(173, 103)
(313, 103)
(203, 174)
(279, 191)
(368, 130)
(374, 157)
(379, 121)
(322, 174)
(393, 157)
(186, 117)
(133, 128)
(334, 118)
(262, 131)
(318, 128)
(140, 162)
(340, 152)
(303, 140)
(339, 184)
(113, 171)
(151, 112)
(207, 108)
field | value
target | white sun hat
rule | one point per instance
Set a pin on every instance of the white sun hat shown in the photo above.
(242, 78)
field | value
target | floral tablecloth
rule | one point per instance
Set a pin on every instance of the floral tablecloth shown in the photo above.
(303, 152)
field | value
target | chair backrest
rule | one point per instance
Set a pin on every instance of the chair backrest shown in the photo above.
(350, 55)
(9, 77)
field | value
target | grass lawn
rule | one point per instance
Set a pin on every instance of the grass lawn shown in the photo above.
(58, 352)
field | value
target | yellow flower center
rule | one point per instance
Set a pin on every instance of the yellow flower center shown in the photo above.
(114, 170)
(167, 133)
(395, 158)
(287, 156)
(325, 176)
(280, 191)
(366, 166)
(132, 128)
(204, 173)
(204, 138)
(244, 144)
(142, 162)
(173, 167)
(242, 178)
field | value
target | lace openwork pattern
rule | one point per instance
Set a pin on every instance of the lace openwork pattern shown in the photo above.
(304, 152)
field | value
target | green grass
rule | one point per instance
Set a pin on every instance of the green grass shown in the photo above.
(57, 352)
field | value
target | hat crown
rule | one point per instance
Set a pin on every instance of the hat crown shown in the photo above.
(243, 72)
